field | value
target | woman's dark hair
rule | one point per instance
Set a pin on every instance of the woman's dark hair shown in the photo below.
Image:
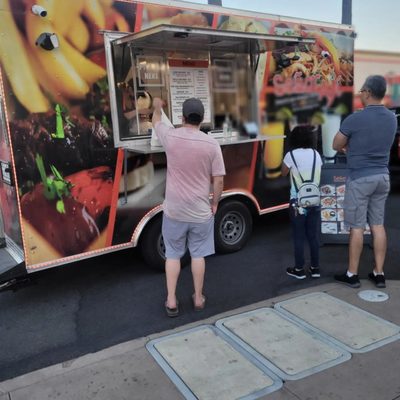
(302, 136)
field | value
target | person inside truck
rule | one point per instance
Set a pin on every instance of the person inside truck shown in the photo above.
(141, 108)
(194, 164)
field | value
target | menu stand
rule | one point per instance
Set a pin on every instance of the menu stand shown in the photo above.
(332, 188)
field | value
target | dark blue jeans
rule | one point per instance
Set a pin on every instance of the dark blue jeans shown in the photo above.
(305, 227)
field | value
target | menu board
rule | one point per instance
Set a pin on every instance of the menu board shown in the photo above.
(189, 78)
(332, 189)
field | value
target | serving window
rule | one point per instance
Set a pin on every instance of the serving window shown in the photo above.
(176, 63)
(138, 78)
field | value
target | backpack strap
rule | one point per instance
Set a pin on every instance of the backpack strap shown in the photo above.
(312, 173)
(313, 166)
(291, 175)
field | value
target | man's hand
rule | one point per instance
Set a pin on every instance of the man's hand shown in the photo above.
(218, 187)
(157, 103)
(157, 106)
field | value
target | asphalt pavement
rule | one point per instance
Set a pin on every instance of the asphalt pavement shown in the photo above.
(88, 309)
(129, 371)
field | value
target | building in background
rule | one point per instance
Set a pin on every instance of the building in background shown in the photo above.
(372, 62)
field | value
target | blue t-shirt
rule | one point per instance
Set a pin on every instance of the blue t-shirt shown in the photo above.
(370, 134)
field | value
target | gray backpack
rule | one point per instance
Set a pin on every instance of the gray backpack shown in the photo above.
(308, 194)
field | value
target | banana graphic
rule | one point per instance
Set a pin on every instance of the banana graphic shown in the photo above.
(44, 82)
(38, 76)
(74, 69)
(66, 15)
(60, 13)
(106, 3)
(57, 66)
(15, 60)
(120, 22)
(78, 35)
(93, 11)
(88, 70)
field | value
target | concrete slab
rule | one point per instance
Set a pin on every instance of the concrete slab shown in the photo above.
(372, 375)
(348, 326)
(288, 349)
(206, 365)
(127, 371)
(133, 375)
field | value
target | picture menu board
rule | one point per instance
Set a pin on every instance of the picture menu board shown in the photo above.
(332, 189)
(188, 78)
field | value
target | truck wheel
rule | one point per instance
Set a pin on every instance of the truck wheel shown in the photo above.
(233, 226)
(153, 248)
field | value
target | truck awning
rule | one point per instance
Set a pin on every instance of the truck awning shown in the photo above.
(182, 38)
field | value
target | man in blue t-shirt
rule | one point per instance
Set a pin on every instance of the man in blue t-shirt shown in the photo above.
(366, 137)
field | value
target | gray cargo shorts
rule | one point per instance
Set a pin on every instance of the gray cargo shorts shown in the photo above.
(365, 199)
(198, 236)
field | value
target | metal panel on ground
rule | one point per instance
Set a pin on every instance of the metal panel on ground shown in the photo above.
(285, 347)
(348, 326)
(206, 364)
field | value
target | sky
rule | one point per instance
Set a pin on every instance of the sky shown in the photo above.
(376, 22)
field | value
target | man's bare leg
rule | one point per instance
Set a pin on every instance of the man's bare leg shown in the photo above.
(355, 248)
(198, 271)
(172, 270)
(380, 245)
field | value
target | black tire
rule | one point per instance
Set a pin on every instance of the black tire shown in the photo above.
(233, 226)
(152, 246)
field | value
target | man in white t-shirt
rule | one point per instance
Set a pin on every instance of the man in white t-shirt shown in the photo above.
(194, 164)
(299, 162)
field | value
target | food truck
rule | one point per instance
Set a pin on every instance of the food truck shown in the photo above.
(81, 172)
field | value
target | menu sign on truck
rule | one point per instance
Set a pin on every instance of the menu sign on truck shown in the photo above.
(333, 187)
(188, 78)
(150, 71)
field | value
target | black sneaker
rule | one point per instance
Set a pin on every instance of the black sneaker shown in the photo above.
(314, 272)
(296, 273)
(379, 280)
(353, 281)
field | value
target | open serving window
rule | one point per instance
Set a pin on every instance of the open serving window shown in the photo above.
(175, 63)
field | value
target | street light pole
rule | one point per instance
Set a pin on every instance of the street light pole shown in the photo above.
(346, 12)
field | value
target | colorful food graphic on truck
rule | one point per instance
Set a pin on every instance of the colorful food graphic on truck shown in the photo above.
(77, 191)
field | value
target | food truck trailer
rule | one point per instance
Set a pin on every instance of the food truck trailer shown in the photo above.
(81, 172)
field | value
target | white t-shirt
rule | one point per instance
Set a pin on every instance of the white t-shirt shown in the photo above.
(304, 160)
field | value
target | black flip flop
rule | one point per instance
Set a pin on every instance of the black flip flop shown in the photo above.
(172, 312)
